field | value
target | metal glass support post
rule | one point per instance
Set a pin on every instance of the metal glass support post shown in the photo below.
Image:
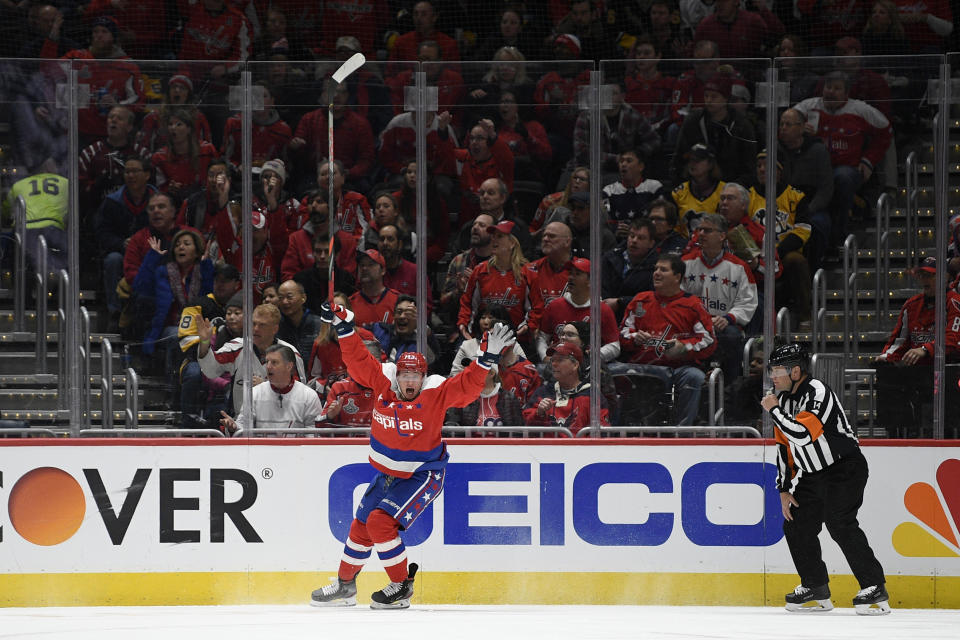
(76, 385)
(596, 220)
(770, 236)
(421, 225)
(246, 213)
(940, 142)
(106, 384)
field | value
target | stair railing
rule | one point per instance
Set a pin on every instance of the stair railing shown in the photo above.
(20, 263)
(818, 311)
(106, 384)
(913, 199)
(851, 338)
(132, 412)
(40, 280)
(881, 258)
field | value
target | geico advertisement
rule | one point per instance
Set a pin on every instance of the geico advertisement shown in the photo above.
(618, 507)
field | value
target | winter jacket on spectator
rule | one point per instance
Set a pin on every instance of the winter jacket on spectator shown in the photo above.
(808, 169)
(623, 280)
(119, 217)
(139, 247)
(153, 280)
(302, 335)
(633, 131)
(733, 139)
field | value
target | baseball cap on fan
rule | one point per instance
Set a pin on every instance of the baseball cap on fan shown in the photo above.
(504, 226)
(580, 264)
(929, 265)
(567, 349)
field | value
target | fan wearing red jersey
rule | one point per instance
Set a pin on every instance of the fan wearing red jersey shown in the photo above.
(406, 451)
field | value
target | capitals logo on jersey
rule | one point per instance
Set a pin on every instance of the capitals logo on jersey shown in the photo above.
(659, 344)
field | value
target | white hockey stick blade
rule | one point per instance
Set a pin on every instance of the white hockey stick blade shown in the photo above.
(352, 64)
(814, 606)
(876, 609)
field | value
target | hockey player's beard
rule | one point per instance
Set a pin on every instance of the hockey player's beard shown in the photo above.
(407, 394)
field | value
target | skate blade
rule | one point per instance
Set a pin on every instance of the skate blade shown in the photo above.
(876, 609)
(814, 606)
(342, 602)
(399, 604)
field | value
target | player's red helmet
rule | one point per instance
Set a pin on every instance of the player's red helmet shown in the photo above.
(412, 361)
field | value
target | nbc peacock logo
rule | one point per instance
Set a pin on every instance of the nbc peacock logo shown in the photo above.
(939, 513)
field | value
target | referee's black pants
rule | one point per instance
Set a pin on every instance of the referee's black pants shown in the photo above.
(831, 497)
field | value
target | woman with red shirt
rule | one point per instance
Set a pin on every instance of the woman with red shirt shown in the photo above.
(182, 164)
(500, 280)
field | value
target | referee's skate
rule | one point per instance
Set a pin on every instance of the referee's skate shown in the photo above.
(809, 600)
(872, 601)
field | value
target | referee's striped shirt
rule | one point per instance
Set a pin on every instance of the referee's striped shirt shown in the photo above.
(812, 431)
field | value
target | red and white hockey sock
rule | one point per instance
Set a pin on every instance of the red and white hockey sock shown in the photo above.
(356, 551)
(385, 533)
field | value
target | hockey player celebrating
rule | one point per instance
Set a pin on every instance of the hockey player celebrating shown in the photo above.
(406, 452)
(815, 443)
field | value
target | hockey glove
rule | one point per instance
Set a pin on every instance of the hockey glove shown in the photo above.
(340, 317)
(493, 343)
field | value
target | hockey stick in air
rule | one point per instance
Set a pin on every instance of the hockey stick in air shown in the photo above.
(352, 64)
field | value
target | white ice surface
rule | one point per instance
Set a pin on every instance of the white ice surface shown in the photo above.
(469, 622)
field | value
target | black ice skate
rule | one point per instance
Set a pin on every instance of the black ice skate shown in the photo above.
(872, 601)
(806, 600)
(339, 593)
(395, 595)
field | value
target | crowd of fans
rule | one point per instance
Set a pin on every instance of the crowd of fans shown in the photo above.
(682, 170)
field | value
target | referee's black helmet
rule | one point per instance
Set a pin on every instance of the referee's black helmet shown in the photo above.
(789, 355)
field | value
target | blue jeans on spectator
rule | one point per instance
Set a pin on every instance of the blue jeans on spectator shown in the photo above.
(686, 382)
(846, 182)
(112, 272)
(730, 351)
(191, 385)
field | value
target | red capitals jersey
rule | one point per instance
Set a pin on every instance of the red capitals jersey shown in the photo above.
(369, 311)
(398, 143)
(225, 36)
(681, 317)
(854, 133)
(546, 283)
(521, 378)
(362, 19)
(651, 97)
(562, 311)
(118, 77)
(915, 328)
(570, 410)
(488, 285)
(356, 404)
(353, 213)
(352, 139)
(473, 173)
(174, 168)
(269, 140)
(405, 436)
